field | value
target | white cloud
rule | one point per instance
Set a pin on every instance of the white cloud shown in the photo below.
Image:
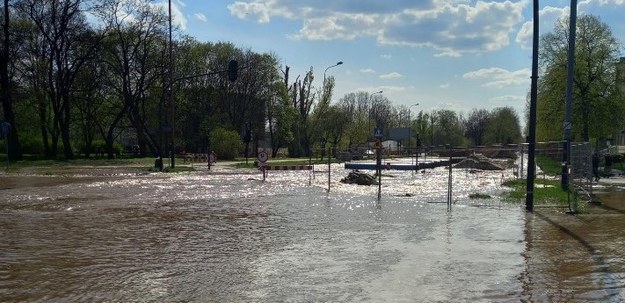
(337, 26)
(499, 78)
(386, 56)
(393, 75)
(201, 17)
(547, 18)
(445, 86)
(367, 71)
(507, 99)
(177, 17)
(452, 28)
(261, 10)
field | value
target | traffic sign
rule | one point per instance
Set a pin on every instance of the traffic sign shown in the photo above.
(262, 157)
(212, 158)
(6, 127)
(377, 132)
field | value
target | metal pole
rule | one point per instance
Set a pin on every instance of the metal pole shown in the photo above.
(170, 91)
(531, 147)
(329, 151)
(522, 161)
(379, 170)
(5, 128)
(449, 181)
(568, 123)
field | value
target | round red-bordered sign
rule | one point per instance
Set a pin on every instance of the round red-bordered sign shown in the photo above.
(263, 157)
(212, 158)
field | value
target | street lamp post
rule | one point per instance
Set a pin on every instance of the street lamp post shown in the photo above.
(170, 95)
(324, 84)
(410, 136)
(370, 108)
(329, 67)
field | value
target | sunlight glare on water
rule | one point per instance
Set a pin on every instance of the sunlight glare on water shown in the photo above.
(228, 237)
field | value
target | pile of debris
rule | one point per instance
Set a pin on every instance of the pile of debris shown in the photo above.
(360, 178)
(478, 162)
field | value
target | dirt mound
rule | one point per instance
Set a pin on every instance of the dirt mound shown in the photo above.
(478, 162)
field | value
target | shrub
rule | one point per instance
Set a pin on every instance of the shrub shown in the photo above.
(225, 143)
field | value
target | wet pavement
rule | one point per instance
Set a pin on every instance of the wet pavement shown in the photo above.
(226, 236)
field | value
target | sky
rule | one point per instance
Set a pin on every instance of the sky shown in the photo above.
(439, 54)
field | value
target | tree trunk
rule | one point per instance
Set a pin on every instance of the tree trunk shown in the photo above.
(14, 148)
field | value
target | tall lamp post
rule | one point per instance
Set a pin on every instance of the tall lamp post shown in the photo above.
(531, 140)
(329, 67)
(568, 123)
(324, 84)
(170, 95)
(410, 133)
(370, 108)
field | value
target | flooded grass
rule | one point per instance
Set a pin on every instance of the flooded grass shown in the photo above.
(545, 191)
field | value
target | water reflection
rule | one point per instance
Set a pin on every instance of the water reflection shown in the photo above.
(229, 237)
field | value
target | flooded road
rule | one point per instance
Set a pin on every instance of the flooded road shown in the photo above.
(227, 236)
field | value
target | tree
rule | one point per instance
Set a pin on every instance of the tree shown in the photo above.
(447, 128)
(69, 44)
(503, 127)
(596, 98)
(475, 126)
(6, 98)
(133, 55)
(333, 124)
(280, 119)
(302, 99)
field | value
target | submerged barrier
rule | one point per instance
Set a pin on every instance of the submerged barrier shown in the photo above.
(391, 166)
(265, 168)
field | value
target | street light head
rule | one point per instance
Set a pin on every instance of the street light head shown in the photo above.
(339, 63)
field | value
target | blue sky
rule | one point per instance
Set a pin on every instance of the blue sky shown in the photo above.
(442, 54)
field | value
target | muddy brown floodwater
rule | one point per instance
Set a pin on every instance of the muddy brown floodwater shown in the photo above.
(227, 236)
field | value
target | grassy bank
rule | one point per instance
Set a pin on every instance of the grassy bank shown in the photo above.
(47, 167)
(546, 192)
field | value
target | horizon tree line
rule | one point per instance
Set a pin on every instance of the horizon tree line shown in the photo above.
(80, 77)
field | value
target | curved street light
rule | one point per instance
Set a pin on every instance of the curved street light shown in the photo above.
(329, 67)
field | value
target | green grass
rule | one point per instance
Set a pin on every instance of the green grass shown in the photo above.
(549, 166)
(546, 192)
(52, 167)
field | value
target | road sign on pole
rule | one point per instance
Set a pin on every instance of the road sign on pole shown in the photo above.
(5, 128)
(263, 157)
(377, 133)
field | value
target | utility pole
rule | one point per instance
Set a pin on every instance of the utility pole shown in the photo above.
(170, 93)
(531, 140)
(568, 123)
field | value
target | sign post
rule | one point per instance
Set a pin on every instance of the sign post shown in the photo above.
(378, 158)
(212, 159)
(5, 129)
(262, 158)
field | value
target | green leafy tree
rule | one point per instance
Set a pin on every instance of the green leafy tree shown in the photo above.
(6, 97)
(280, 119)
(225, 143)
(69, 43)
(447, 128)
(503, 127)
(302, 99)
(596, 97)
(475, 126)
